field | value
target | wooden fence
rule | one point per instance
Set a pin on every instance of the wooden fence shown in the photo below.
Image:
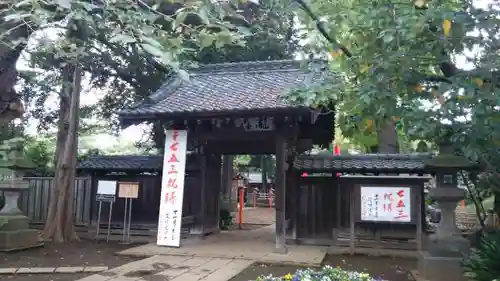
(34, 202)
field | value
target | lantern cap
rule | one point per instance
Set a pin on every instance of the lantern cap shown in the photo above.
(447, 161)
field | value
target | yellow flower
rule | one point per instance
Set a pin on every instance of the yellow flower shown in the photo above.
(288, 277)
(365, 68)
(336, 53)
(478, 81)
(419, 88)
(420, 3)
(364, 276)
(369, 124)
(446, 27)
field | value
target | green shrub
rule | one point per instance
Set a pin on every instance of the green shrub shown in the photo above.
(484, 263)
(225, 217)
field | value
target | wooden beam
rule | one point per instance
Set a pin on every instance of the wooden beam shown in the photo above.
(280, 190)
(227, 179)
(419, 222)
(248, 146)
(216, 188)
(352, 233)
(338, 213)
(295, 200)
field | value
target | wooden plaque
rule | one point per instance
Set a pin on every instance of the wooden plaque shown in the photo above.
(128, 189)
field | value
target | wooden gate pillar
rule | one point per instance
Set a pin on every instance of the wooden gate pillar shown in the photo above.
(280, 195)
(212, 195)
(198, 226)
(227, 180)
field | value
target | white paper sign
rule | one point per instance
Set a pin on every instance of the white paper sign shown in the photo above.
(106, 187)
(385, 204)
(172, 189)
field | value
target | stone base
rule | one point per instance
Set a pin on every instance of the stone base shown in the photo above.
(15, 222)
(281, 250)
(440, 268)
(15, 240)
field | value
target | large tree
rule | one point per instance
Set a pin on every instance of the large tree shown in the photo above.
(128, 77)
(396, 63)
(161, 34)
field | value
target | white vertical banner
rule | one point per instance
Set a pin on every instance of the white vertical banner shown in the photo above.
(172, 188)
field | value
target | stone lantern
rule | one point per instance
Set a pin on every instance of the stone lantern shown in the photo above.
(446, 248)
(14, 230)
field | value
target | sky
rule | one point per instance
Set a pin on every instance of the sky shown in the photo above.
(129, 135)
(133, 134)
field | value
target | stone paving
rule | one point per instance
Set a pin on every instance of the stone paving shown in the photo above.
(215, 258)
(256, 245)
(48, 270)
(174, 268)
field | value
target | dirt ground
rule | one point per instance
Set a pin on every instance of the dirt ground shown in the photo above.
(245, 226)
(83, 253)
(385, 268)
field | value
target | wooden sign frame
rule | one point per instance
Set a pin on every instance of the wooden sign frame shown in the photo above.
(128, 190)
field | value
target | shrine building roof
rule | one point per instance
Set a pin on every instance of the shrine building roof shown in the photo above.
(122, 162)
(125, 163)
(377, 163)
(214, 90)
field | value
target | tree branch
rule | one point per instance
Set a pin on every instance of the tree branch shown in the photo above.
(321, 27)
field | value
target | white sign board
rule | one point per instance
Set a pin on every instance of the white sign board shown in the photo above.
(172, 189)
(385, 204)
(106, 187)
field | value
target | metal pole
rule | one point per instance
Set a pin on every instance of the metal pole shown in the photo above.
(129, 219)
(109, 220)
(99, 220)
(125, 221)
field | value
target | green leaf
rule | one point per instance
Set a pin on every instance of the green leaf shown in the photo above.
(23, 3)
(183, 74)
(206, 40)
(123, 38)
(152, 42)
(204, 16)
(223, 38)
(388, 38)
(15, 17)
(180, 17)
(64, 3)
(152, 50)
(88, 6)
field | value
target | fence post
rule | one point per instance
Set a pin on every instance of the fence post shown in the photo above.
(35, 201)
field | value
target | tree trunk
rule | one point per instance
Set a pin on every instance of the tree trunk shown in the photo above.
(14, 31)
(387, 138)
(496, 201)
(11, 106)
(159, 137)
(59, 226)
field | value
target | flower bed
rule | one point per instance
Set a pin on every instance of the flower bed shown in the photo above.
(327, 273)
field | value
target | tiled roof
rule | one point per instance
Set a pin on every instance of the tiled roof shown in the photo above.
(363, 163)
(122, 163)
(228, 87)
